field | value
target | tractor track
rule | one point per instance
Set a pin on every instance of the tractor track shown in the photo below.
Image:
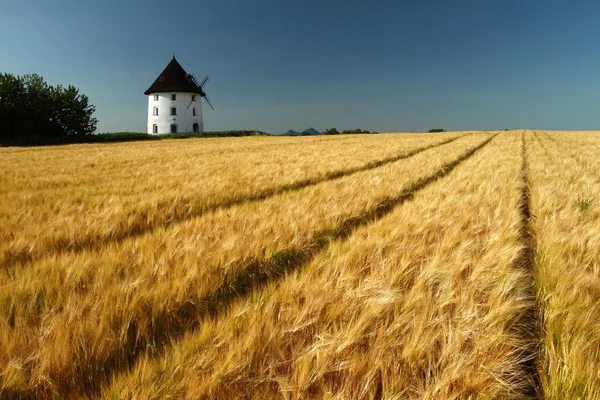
(530, 327)
(61, 245)
(174, 324)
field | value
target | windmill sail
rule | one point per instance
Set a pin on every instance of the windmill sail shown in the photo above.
(208, 101)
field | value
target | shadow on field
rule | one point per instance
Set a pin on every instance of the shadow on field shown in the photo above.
(530, 325)
(184, 210)
(89, 375)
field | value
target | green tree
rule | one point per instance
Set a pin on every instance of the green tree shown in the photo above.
(33, 111)
(331, 131)
(354, 131)
(72, 112)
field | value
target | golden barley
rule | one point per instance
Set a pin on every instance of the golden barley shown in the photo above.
(71, 197)
(565, 187)
(429, 302)
(446, 266)
(76, 316)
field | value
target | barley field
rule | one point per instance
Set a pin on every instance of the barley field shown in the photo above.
(420, 266)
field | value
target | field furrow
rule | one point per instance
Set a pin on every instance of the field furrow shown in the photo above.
(70, 320)
(103, 196)
(430, 301)
(579, 138)
(439, 266)
(565, 188)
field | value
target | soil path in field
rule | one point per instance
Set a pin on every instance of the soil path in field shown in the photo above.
(173, 325)
(531, 324)
(170, 219)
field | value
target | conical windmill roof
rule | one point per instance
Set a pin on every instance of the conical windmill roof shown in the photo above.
(174, 79)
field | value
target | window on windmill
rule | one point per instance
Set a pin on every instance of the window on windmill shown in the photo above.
(155, 97)
(193, 97)
(173, 110)
(154, 128)
(155, 111)
(194, 112)
(173, 96)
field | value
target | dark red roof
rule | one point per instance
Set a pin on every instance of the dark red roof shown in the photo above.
(174, 79)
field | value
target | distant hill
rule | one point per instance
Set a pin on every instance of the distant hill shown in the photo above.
(311, 131)
(291, 132)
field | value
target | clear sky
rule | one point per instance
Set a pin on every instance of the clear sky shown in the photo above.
(281, 64)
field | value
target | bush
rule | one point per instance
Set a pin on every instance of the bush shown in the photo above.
(436, 130)
(135, 136)
(331, 131)
(355, 131)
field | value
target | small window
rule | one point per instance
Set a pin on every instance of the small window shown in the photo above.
(154, 128)
(155, 97)
(173, 96)
(173, 110)
(173, 128)
(194, 112)
(193, 97)
(155, 111)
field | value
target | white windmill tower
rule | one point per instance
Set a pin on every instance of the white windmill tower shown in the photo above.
(175, 102)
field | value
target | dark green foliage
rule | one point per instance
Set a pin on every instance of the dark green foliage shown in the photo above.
(135, 136)
(72, 112)
(216, 134)
(331, 131)
(32, 111)
(436, 130)
(334, 131)
(355, 131)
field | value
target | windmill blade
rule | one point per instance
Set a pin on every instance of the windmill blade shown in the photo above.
(193, 76)
(208, 101)
(204, 81)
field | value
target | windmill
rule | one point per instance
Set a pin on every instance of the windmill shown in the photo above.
(172, 91)
(202, 92)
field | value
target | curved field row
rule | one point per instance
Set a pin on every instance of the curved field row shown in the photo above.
(565, 188)
(429, 302)
(394, 267)
(68, 162)
(580, 138)
(141, 188)
(70, 320)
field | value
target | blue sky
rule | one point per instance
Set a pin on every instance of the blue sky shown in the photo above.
(277, 64)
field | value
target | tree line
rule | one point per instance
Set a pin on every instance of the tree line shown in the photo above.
(32, 111)
(334, 131)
